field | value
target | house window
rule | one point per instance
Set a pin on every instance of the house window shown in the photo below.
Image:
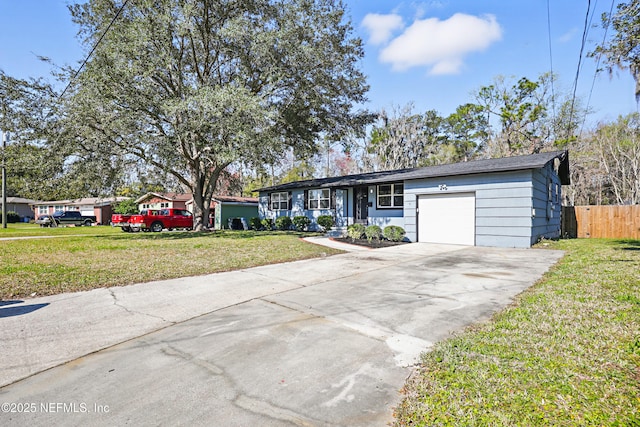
(320, 199)
(58, 208)
(391, 196)
(164, 205)
(43, 210)
(279, 201)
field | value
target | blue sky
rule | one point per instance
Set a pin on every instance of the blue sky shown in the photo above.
(432, 53)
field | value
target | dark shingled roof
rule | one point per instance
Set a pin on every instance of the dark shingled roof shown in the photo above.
(503, 164)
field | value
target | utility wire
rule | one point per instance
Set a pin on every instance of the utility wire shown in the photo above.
(95, 46)
(575, 82)
(553, 96)
(595, 73)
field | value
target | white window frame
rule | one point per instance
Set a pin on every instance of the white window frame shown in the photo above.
(43, 210)
(279, 199)
(396, 190)
(319, 199)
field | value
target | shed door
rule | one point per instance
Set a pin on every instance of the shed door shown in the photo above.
(447, 218)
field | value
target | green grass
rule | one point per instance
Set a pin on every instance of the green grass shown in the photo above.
(26, 230)
(108, 257)
(566, 353)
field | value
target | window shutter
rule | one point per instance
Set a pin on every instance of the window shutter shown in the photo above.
(333, 198)
(306, 199)
(269, 206)
(289, 200)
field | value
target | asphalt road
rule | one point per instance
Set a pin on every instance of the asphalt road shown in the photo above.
(323, 342)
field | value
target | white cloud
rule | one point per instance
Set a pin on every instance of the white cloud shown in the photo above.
(568, 36)
(381, 27)
(441, 45)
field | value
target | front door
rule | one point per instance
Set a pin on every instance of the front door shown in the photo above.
(361, 204)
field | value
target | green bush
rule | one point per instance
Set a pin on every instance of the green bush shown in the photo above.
(325, 221)
(267, 224)
(301, 222)
(394, 233)
(373, 232)
(126, 207)
(283, 223)
(12, 217)
(255, 223)
(355, 231)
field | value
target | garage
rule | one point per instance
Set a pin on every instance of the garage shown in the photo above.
(447, 218)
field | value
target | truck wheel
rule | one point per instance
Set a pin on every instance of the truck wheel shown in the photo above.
(87, 223)
(156, 227)
(126, 229)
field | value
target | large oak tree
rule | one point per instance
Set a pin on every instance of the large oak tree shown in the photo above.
(192, 86)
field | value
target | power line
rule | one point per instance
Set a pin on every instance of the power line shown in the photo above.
(95, 46)
(595, 73)
(553, 96)
(575, 82)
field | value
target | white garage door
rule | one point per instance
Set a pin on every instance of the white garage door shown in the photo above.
(447, 218)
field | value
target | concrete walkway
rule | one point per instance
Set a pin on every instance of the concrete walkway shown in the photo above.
(325, 342)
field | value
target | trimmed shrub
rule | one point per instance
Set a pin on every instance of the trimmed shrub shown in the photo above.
(283, 223)
(267, 224)
(12, 217)
(301, 222)
(326, 222)
(394, 233)
(255, 223)
(373, 232)
(355, 231)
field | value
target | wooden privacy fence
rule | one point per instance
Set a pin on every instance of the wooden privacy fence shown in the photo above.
(618, 222)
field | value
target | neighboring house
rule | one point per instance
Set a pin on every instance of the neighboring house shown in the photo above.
(224, 209)
(163, 200)
(101, 207)
(505, 202)
(22, 207)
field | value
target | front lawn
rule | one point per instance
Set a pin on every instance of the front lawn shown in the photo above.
(566, 353)
(108, 257)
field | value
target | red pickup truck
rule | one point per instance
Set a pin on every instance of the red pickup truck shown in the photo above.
(159, 219)
(121, 220)
(154, 220)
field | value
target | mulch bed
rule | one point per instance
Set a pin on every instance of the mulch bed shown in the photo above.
(370, 244)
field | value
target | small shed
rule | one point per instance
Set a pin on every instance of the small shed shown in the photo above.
(225, 208)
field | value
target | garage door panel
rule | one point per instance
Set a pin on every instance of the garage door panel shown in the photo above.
(448, 218)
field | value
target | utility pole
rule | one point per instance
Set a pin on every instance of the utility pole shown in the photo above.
(4, 136)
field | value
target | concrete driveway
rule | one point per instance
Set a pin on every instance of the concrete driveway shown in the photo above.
(323, 342)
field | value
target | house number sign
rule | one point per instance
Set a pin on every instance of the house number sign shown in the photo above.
(442, 187)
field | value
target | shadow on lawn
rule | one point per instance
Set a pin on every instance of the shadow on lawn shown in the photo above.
(628, 244)
(218, 234)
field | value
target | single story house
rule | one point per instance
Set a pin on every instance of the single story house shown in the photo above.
(224, 209)
(503, 202)
(163, 201)
(23, 207)
(101, 207)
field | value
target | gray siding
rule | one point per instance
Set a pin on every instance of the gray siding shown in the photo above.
(297, 208)
(546, 219)
(383, 217)
(503, 205)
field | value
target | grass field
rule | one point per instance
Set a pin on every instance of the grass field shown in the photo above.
(81, 258)
(566, 353)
